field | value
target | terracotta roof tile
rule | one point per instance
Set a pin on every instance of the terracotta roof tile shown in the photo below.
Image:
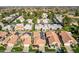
(53, 37)
(13, 39)
(2, 34)
(66, 37)
(37, 39)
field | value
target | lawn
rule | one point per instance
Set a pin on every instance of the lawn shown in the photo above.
(52, 50)
(76, 49)
(2, 48)
(17, 49)
(31, 50)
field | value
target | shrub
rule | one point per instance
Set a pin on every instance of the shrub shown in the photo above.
(17, 49)
(2, 48)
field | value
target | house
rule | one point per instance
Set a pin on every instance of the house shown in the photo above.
(19, 26)
(29, 21)
(13, 38)
(6, 40)
(41, 26)
(55, 26)
(45, 27)
(3, 34)
(26, 42)
(53, 39)
(12, 15)
(7, 27)
(25, 37)
(20, 18)
(8, 18)
(38, 41)
(28, 27)
(36, 35)
(59, 17)
(12, 41)
(67, 38)
(38, 26)
(45, 20)
(48, 26)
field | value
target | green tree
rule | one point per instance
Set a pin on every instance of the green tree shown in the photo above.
(76, 12)
(67, 21)
(2, 48)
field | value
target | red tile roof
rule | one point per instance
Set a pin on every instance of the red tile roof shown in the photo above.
(2, 34)
(37, 39)
(6, 40)
(53, 38)
(39, 42)
(36, 34)
(26, 39)
(66, 37)
(13, 39)
(19, 27)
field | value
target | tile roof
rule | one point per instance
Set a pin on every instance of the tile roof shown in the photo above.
(19, 27)
(67, 38)
(53, 38)
(13, 39)
(25, 36)
(37, 39)
(26, 39)
(2, 34)
(39, 42)
(36, 34)
(6, 40)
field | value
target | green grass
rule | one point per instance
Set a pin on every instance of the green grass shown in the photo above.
(2, 48)
(17, 49)
(76, 49)
(32, 50)
(49, 50)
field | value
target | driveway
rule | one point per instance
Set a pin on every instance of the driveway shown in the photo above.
(69, 49)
